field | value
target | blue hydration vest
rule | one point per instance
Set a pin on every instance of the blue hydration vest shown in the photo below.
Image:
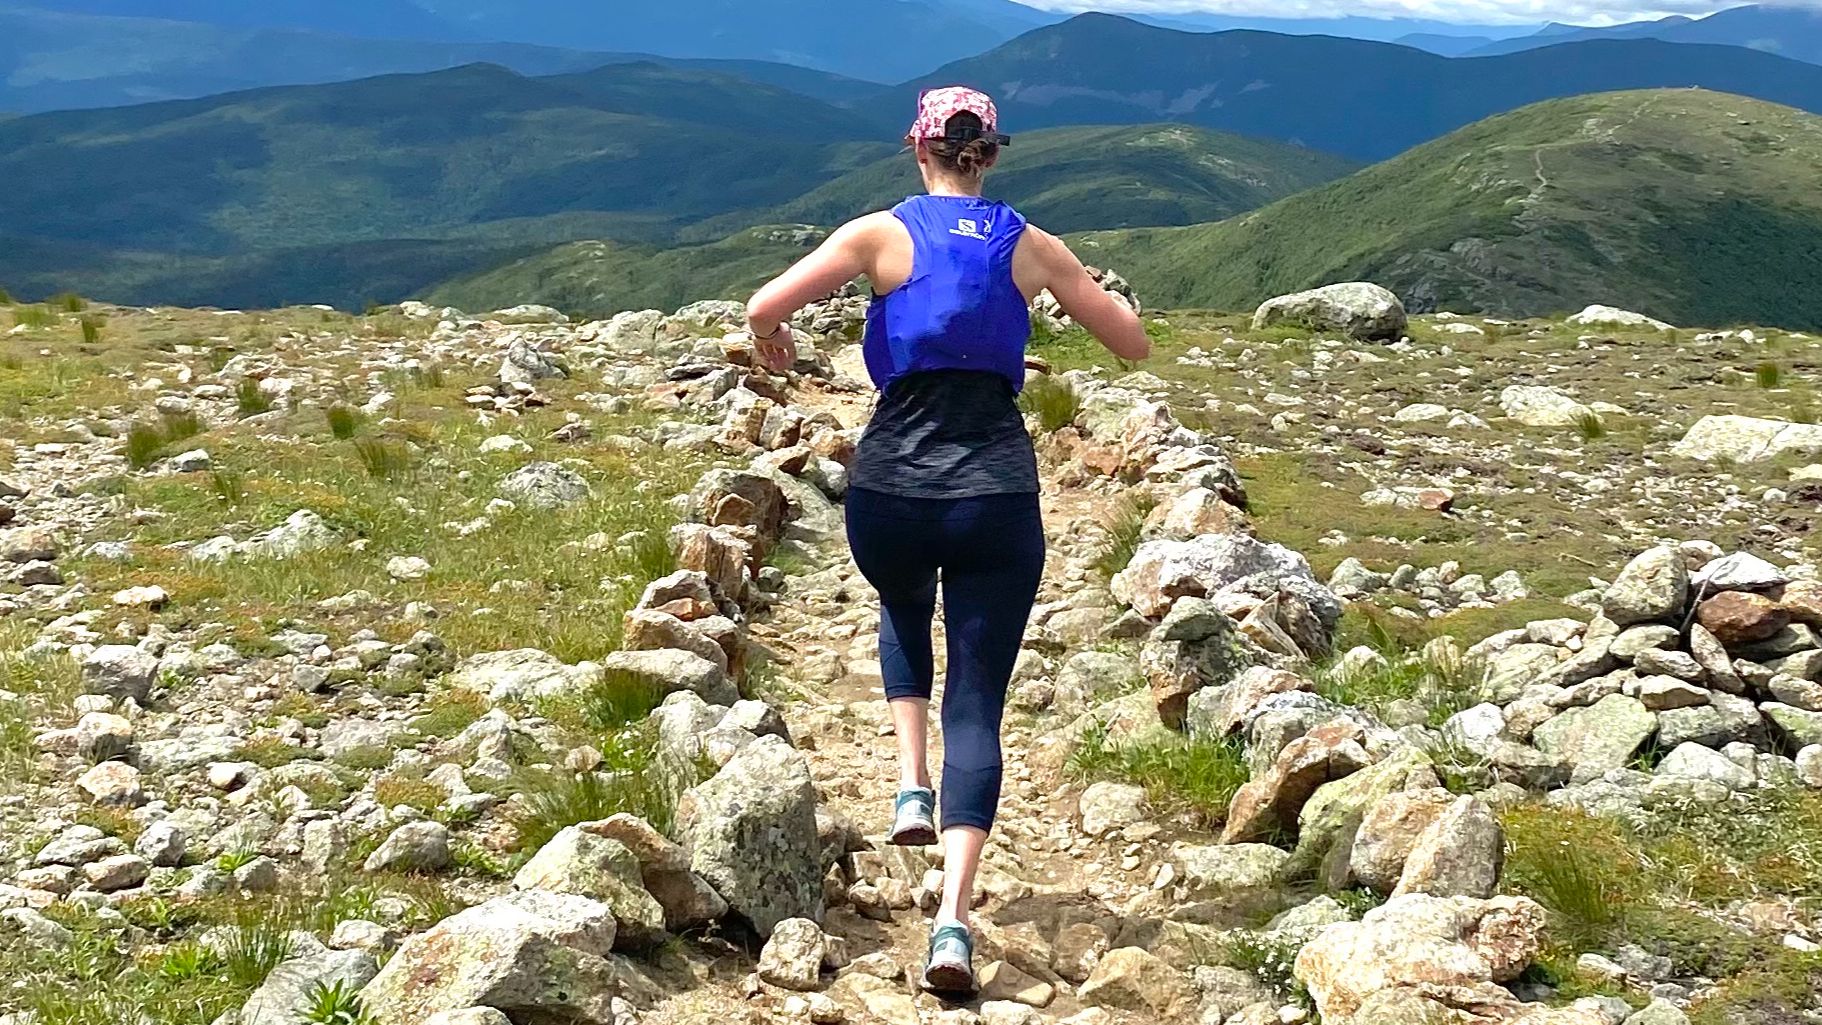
(960, 310)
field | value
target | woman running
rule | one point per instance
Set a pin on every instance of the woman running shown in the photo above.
(945, 483)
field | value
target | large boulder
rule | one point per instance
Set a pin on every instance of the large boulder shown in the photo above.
(1612, 316)
(669, 670)
(521, 674)
(1163, 571)
(751, 833)
(735, 498)
(535, 956)
(1196, 647)
(1435, 955)
(1538, 406)
(544, 486)
(1134, 979)
(1327, 824)
(1267, 806)
(594, 866)
(1601, 736)
(1357, 309)
(1746, 439)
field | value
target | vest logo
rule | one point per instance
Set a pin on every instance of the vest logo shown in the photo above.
(972, 229)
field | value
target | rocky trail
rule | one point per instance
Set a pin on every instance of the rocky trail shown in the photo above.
(426, 667)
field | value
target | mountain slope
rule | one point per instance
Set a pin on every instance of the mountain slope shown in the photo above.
(1068, 179)
(1063, 179)
(1693, 206)
(626, 150)
(597, 279)
(1361, 99)
(1794, 32)
(59, 61)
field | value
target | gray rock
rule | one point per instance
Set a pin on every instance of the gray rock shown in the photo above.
(1745, 439)
(284, 997)
(672, 669)
(303, 531)
(1693, 761)
(1223, 870)
(1658, 1012)
(521, 673)
(544, 486)
(1357, 309)
(345, 736)
(533, 956)
(412, 847)
(1106, 806)
(579, 862)
(751, 833)
(526, 363)
(1725, 719)
(1653, 586)
(119, 671)
(1541, 406)
(1637, 640)
(163, 844)
(1602, 736)
(1741, 571)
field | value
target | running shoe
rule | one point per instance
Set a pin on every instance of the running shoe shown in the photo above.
(914, 818)
(950, 968)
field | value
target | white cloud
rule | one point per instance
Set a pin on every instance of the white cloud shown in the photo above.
(1488, 12)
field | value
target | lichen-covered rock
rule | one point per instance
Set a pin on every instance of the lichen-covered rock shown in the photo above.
(1452, 951)
(668, 670)
(1133, 979)
(793, 957)
(1163, 571)
(751, 833)
(1460, 854)
(575, 861)
(1652, 587)
(1389, 833)
(520, 674)
(536, 955)
(284, 997)
(1602, 736)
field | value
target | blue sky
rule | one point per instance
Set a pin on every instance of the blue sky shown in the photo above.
(1579, 12)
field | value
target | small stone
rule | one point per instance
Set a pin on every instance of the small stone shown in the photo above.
(793, 956)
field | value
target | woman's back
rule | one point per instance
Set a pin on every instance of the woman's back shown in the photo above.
(959, 307)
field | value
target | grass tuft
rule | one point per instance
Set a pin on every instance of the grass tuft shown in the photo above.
(1196, 775)
(1768, 375)
(250, 399)
(384, 458)
(1053, 401)
(1590, 427)
(1125, 525)
(344, 421)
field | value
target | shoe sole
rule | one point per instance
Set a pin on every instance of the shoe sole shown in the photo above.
(949, 978)
(914, 836)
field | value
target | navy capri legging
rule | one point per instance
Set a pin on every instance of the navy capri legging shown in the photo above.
(989, 554)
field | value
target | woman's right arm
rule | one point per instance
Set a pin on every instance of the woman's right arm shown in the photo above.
(1104, 316)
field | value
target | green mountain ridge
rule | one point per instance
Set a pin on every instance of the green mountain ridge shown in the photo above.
(1060, 179)
(1365, 100)
(1691, 206)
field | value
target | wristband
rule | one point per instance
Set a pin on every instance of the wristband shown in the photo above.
(766, 338)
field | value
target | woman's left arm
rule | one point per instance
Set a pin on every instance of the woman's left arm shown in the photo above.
(845, 255)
